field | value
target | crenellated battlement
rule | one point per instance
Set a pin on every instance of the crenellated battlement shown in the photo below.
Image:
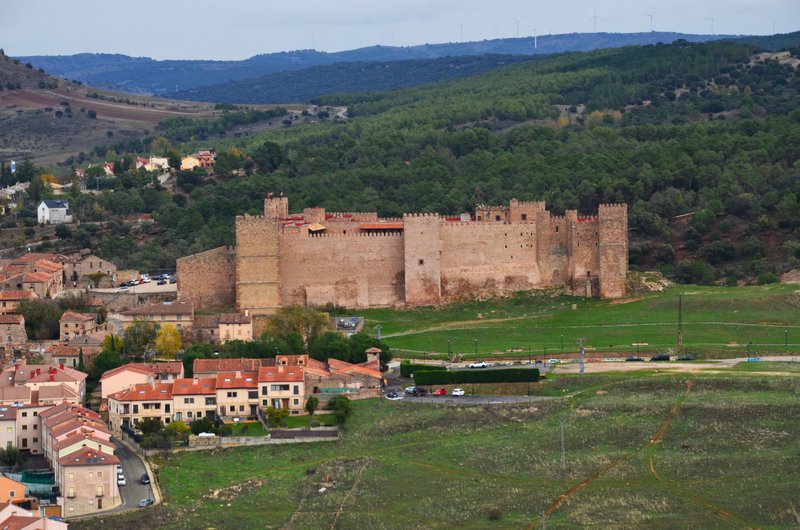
(421, 216)
(340, 235)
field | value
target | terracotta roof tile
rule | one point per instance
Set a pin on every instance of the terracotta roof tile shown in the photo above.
(87, 457)
(145, 392)
(9, 296)
(199, 385)
(12, 319)
(291, 374)
(226, 365)
(237, 380)
(73, 316)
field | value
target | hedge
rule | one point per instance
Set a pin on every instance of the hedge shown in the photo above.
(406, 368)
(509, 375)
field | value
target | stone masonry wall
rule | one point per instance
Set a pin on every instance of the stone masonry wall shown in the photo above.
(257, 264)
(208, 279)
(354, 270)
(488, 258)
(613, 245)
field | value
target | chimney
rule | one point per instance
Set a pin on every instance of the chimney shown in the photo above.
(33, 374)
(238, 374)
(52, 377)
(38, 371)
(61, 366)
(195, 381)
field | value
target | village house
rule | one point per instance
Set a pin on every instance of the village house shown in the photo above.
(82, 267)
(219, 329)
(12, 330)
(11, 491)
(13, 517)
(33, 272)
(8, 427)
(131, 374)
(37, 377)
(282, 387)
(127, 408)
(88, 482)
(10, 300)
(68, 354)
(237, 395)
(73, 324)
(211, 367)
(194, 398)
(189, 162)
(207, 159)
(54, 212)
(180, 314)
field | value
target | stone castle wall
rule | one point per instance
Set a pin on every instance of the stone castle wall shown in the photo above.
(208, 279)
(279, 262)
(353, 270)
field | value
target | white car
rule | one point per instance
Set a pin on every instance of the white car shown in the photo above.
(119, 469)
(121, 480)
(458, 392)
(553, 361)
(481, 364)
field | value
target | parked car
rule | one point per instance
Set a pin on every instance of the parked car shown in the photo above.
(660, 357)
(393, 396)
(161, 282)
(409, 389)
(685, 358)
(480, 364)
(419, 391)
(173, 279)
(121, 480)
(553, 361)
(145, 503)
(440, 392)
(458, 392)
(119, 469)
(633, 359)
(145, 479)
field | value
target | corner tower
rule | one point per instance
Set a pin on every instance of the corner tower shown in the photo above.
(613, 244)
(422, 249)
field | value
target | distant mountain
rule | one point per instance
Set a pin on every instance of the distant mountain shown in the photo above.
(309, 83)
(148, 76)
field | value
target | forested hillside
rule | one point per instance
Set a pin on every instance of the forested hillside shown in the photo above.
(708, 130)
(307, 84)
(165, 77)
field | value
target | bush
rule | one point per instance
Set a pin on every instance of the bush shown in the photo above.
(509, 375)
(495, 514)
(407, 369)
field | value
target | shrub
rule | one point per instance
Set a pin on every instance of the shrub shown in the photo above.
(495, 514)
(407, 369)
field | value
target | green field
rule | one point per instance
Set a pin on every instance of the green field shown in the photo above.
(641, 450)
(717, 322)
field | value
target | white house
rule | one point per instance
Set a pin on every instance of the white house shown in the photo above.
(54, 212)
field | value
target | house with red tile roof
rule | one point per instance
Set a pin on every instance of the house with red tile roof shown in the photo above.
(12, 331)
(88, 481)
(127, 408)
(10, 300)
(132, 374)
(194, 398)
(218, 329)
(180, 314)
(237, 394)
(13, 517)
(73, 324)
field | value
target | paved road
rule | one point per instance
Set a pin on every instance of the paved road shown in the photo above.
(133, 469)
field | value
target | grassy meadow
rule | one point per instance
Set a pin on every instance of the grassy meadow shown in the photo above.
(717, 322)
(641, 450)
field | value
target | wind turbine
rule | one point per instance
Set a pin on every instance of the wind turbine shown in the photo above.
(651, 20)
(461, 32)
(517, 21)
(773, 25)
(594, 18)
(535, 38)
(313, 40)
(712, 24)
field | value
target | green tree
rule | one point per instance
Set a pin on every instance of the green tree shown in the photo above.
(36, 189)
(112, 343)
(306, 321)
(177, 431)
(81, 365)
(342, 408)
(311, 404)
(201, 425)
(140, 337)
(277, 417)
(104, 361)
(150, 426)
(41, 319)
(196, 351)
(168, 341)
(63, 232)
(269, 156)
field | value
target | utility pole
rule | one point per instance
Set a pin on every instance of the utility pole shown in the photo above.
(378, 332)
(680, 323)
(563, 446)
(583, 354)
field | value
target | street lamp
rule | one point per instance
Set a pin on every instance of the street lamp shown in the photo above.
(786, 337)
(476, 346)
(748, 347)
(562, 343)
(449, 348)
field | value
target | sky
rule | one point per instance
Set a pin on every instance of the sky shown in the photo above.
(238, 29)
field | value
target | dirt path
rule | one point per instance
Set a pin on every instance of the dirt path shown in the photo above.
(673, 410)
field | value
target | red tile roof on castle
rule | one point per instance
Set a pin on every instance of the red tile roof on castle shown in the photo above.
(145, 392)
(237, 380)
(194, 386)
(87, 456)
(381, 226)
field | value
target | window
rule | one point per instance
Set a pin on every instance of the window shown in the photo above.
(24, 442)
(232, 408)
(35, 413)
(35, 426)
(296, 401)
(36, 440)
(135, 409)
(71, 476)
(99, 474)
(24, 414)
(263, 392)
(252, 394)
(232, 394)
(188, 400)
(264, 403)
(496, 217)
(166, 408)
(296, 390)
(211, 401)
(421, 262)
(91, 474)
(278, 388)
(24, 427)
(9, 430)
(99, 490)
(524, 217)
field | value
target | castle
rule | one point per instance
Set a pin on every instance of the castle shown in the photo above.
(359, 260)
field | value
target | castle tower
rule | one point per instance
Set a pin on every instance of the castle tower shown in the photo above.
(422, 246)
(613, 244)
(258, 263)
(276, 207)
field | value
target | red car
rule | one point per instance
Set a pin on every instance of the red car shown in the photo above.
(440, 392)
